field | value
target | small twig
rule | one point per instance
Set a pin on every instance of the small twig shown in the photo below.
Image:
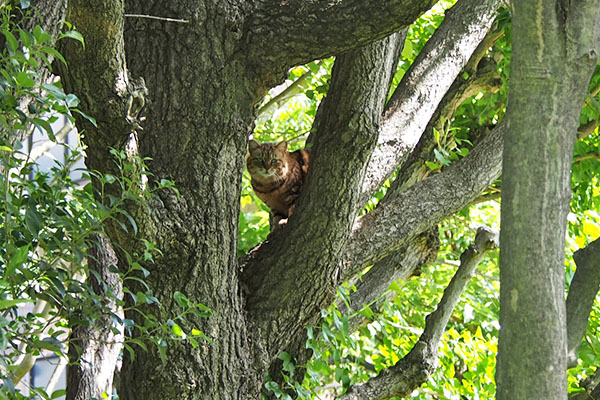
(183, 21)
(588, 156)
(485, 198)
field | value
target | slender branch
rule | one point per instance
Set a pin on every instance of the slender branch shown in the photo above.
(292, 90)
(587, 156)
(185, 21)
(412, 370)
(488, 41)
(27, 360)
(41, 148)
(582, 292)
(56, 374)
(586, 129)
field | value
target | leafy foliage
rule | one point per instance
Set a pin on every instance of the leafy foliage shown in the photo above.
(49, 222)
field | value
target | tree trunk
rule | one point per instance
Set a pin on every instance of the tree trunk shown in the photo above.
(554, 51)
(94, 350)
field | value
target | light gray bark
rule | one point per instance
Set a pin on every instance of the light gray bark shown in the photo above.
(422, 88)
(94, 350)
(554, 51)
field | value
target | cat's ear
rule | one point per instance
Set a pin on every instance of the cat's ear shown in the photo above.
(253, 145)
(282, 146)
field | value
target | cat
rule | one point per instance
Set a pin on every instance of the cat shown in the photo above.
(277, 177)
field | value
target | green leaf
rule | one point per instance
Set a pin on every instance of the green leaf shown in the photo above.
(40, 35)
(26, 38)
(75, 35)
(24, 80)
(58, 393)
(432, 166)
(140, 343)
(130, 350)
(162, 351)
(181, 299)
(34, 221)
(440, 157)
(4, 304)
(91, 119)
(11, 41)
(17, 259)
(44, 125)
(49, 343)
(395, 286)
(54, 53)
(176, 329)
(55, 91)
(407, 51)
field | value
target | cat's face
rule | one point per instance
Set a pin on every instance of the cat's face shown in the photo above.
(267, 160)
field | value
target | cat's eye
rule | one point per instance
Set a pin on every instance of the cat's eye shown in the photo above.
(274, 161)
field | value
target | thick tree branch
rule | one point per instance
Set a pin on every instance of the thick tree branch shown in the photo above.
(412, 370)
(377, 234)
(287, 33)
(582, 292)
(292, 275)
(424, 85)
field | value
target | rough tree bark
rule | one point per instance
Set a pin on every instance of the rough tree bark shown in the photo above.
(555, 48)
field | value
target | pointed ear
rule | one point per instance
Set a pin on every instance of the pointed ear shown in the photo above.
(282, 146)
(253, 145)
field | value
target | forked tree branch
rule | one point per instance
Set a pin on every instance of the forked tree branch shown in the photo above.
(422, 88)
(412, 370)
(285, 282)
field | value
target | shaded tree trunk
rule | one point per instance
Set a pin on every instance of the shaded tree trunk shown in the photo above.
(94, 350)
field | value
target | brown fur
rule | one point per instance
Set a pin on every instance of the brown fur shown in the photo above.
(277, 176)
